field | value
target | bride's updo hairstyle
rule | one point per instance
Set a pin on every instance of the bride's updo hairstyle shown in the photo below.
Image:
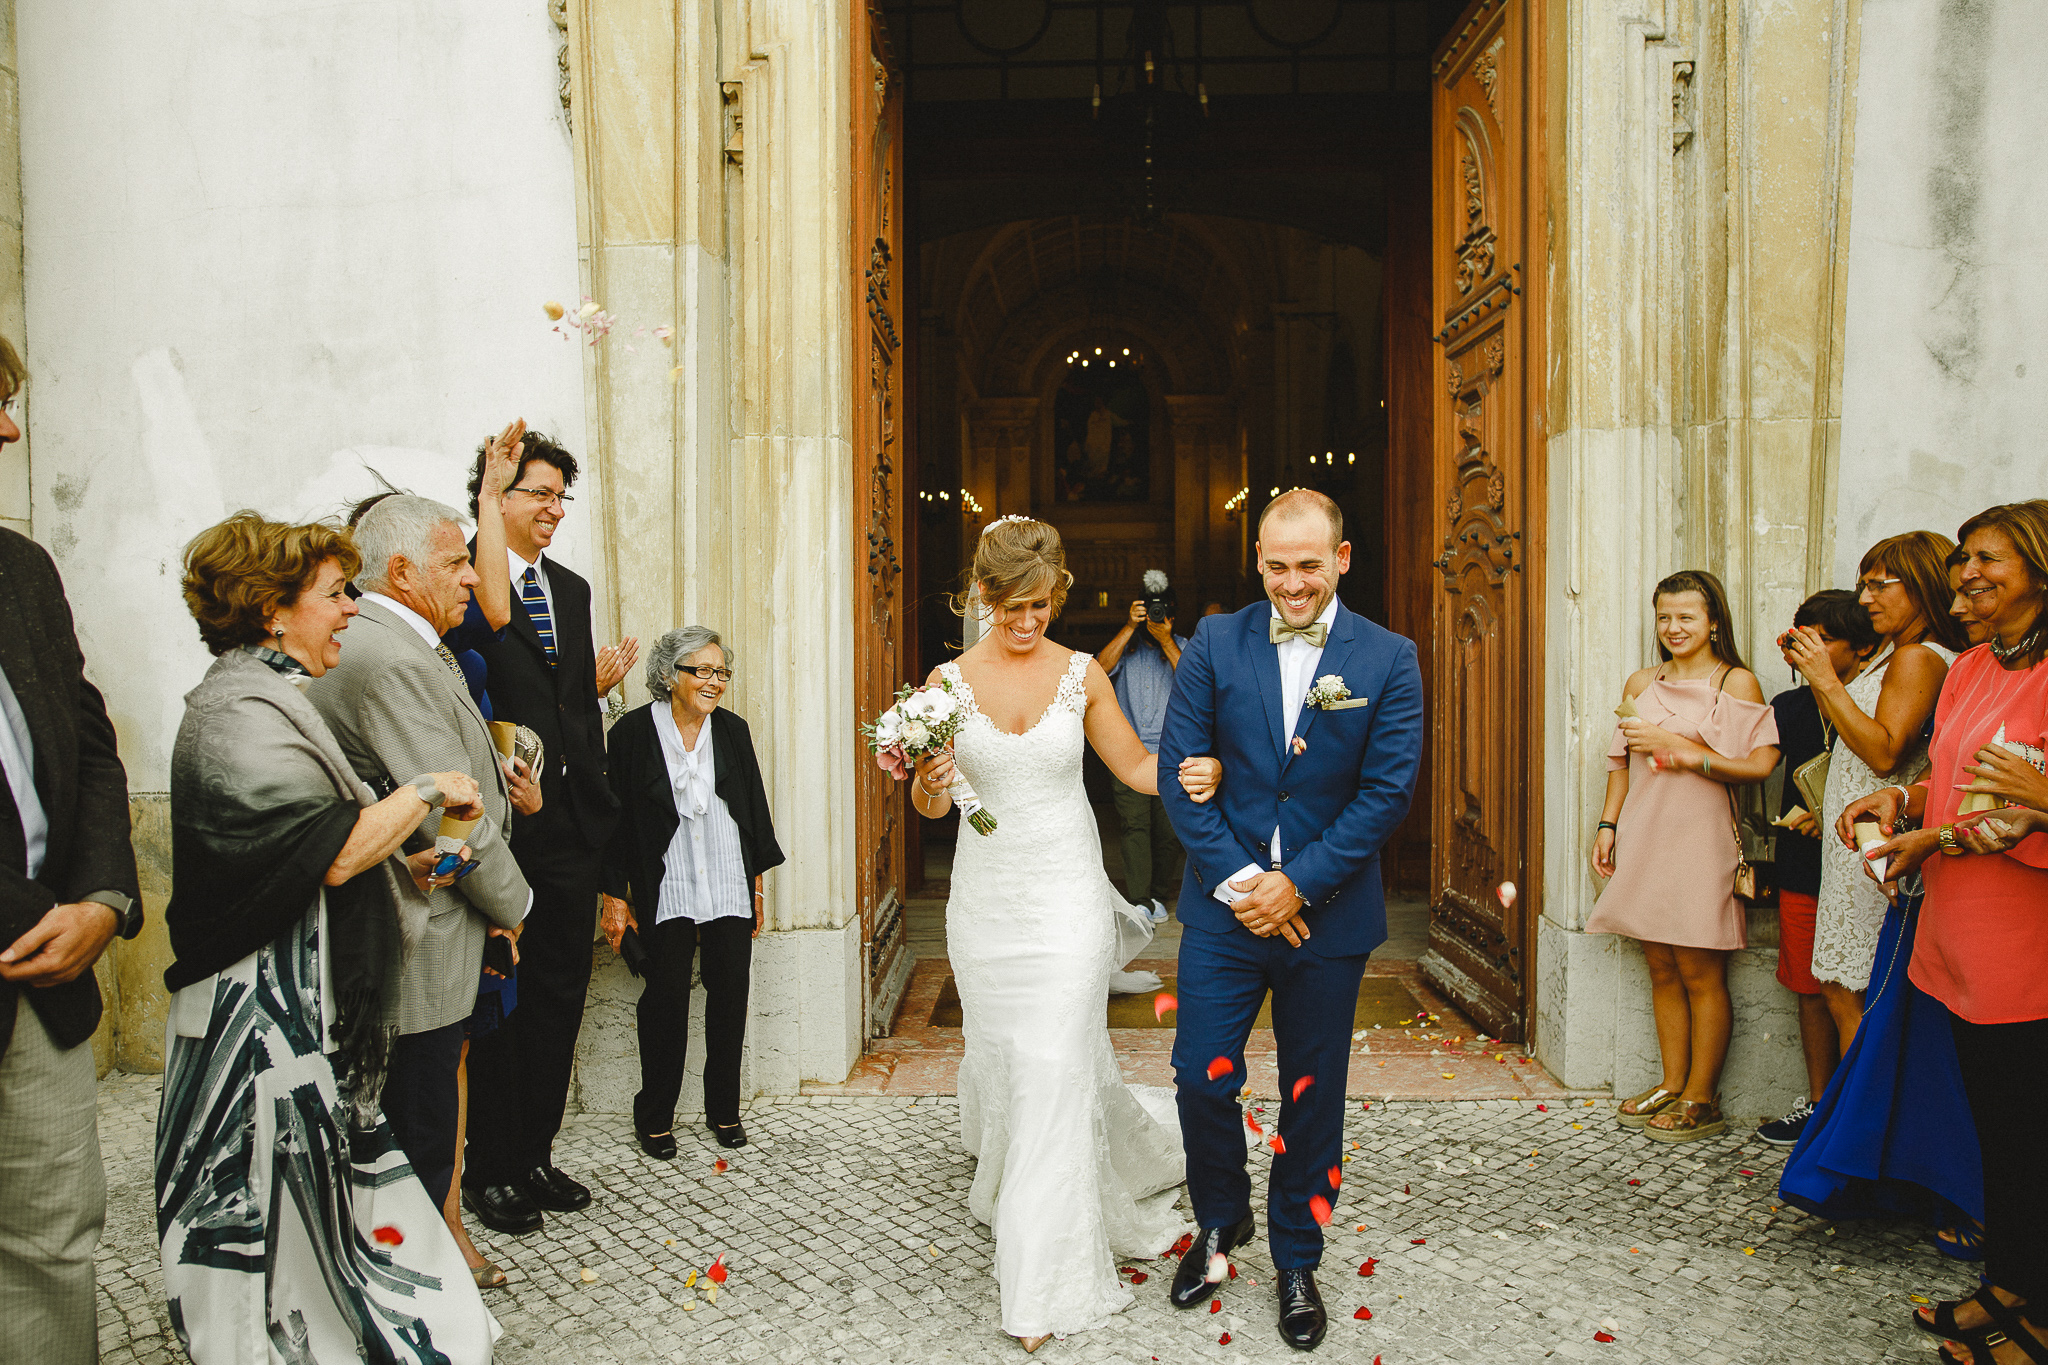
(1017, 560)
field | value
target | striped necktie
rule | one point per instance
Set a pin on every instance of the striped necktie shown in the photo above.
(537, 609)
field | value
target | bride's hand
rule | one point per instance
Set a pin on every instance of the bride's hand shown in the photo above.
(935, 773)
(1200, 777)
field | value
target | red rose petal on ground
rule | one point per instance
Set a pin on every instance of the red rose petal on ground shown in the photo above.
(389, 1236)
(1161, 1003)
(1278, 1144)
(1139, 1277)
(1215, 1305)
(1417, 1241)
(1370, 1262)
(1223, 1340)
(1635, 1182)
(1406, 1190)
(1603, 1336)
(1319, 1209)
(1542, 1108)
(1233, 1272)
(1253, 1124)
(720, 1165)
(1220, 1068)
(1366, 1107)
(718, 1272)
(1336, 1177)
(1742, 1172)
(1187, 1239)
(1363, 1314)
(1304, 1083)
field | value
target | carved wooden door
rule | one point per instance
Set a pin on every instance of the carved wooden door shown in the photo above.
(1486, 690)
(879, 625)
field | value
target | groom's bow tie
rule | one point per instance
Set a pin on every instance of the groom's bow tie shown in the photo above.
(1279, 632)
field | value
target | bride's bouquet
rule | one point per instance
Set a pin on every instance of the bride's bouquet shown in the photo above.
(923, 721)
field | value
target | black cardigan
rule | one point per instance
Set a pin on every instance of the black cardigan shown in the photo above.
(647, 815)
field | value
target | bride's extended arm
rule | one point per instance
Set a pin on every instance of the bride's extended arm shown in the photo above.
(1120, 749)
(930, 778)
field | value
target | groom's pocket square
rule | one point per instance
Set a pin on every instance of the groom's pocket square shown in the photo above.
(1347, 705)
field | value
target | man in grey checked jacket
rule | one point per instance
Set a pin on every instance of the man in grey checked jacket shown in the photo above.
(398, 705)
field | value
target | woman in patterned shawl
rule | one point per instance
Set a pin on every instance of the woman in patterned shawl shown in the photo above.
(291, 1227)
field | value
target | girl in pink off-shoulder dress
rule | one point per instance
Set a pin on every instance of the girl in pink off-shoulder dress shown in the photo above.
(1691, 728)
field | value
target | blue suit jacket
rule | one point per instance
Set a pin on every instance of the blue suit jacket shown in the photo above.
(1336, 803)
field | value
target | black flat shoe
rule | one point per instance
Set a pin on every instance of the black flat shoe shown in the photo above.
(1191, 1282)
(660, 1146)
(1303, 1319)
(553, 1191)
(729, 1135)
(502, 1208)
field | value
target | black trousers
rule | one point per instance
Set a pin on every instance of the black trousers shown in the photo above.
(726, 947)
(420, 1103)
(519, 1072)
(2005, 1074)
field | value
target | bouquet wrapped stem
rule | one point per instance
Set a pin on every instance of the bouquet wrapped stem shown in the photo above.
(969, 805)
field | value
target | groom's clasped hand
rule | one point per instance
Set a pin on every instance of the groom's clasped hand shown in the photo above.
(1199, 777)
(1271, 905)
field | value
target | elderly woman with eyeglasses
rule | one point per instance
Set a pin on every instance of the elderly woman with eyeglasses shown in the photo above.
(694, 837)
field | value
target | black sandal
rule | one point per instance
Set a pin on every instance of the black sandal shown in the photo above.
(2010, 1325)
(1943, 1324)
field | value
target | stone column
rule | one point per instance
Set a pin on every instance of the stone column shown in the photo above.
(712, 153)
(1697, 240)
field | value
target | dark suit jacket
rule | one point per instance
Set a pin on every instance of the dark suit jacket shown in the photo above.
(79, 780)
(648, 818)
(556, 701)
(1335, 803)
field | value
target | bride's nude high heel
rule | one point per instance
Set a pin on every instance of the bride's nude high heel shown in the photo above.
(1031, 1344)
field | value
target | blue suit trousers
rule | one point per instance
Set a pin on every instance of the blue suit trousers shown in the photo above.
(1223, 981)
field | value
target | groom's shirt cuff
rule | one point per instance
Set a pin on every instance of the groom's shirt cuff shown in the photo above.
(1224, 891)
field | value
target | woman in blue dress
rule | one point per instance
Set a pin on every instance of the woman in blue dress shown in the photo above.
(1892, 1135)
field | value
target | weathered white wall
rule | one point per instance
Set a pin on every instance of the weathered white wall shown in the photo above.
(267, 245)
(1945, 392)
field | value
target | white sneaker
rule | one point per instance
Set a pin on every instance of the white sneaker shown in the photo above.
(1133, 983)
(1158, 911)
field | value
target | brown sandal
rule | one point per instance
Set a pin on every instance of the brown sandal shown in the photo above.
(1648, 1104)
(1687, 1121)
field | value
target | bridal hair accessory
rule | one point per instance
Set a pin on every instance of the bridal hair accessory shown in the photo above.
(924, 721)
(1003, 521)
(1328, 691)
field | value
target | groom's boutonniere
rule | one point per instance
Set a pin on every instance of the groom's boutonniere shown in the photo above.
(1328, 691)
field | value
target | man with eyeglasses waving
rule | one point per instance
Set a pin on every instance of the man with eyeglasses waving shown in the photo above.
(545, 673)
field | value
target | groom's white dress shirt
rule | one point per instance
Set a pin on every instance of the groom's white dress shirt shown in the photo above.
(1298, 660)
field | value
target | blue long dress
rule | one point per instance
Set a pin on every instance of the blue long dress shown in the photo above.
(1892, 1136)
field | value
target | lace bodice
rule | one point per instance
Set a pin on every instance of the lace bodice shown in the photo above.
(1850, 913)
(1073, 1167)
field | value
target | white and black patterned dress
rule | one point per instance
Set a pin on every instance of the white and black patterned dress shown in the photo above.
(289, 1233)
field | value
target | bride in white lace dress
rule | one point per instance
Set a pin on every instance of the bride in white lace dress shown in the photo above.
(1074, 1167)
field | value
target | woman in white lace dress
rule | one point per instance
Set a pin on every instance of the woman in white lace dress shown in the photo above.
(1074, 1167)
(1879, 723)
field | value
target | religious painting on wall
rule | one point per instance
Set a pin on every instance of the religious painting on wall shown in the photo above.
(1102, 436)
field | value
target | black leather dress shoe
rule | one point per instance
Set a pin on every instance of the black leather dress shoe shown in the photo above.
(554, 1191)
(1191, 1282)
(729, 1135)
(660, 1146)
(1303, 1319)
(502, 1208)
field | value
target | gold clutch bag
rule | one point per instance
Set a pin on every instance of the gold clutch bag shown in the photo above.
(1811, 778)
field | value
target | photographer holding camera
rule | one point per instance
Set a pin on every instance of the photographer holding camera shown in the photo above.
(1140, 661)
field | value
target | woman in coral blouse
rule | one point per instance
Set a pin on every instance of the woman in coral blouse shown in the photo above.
(1983, 944)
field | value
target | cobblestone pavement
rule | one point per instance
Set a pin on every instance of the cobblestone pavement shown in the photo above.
(845, 1229)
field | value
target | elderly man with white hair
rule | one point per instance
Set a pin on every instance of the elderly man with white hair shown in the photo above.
(398, 704)
(693, 839)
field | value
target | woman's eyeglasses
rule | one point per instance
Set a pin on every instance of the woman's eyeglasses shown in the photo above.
(1874, 586)
(705, 672)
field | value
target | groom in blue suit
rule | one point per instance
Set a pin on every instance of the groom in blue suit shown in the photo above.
(1282, 891)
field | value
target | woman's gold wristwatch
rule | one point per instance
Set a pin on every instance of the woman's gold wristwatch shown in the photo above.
(1947, 838)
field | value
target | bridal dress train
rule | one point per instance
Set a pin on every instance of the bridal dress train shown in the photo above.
(1075, 1168)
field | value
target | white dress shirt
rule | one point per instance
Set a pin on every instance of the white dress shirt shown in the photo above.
(406, 614)
(1298, 660)
(18, 756)
(704, 872)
